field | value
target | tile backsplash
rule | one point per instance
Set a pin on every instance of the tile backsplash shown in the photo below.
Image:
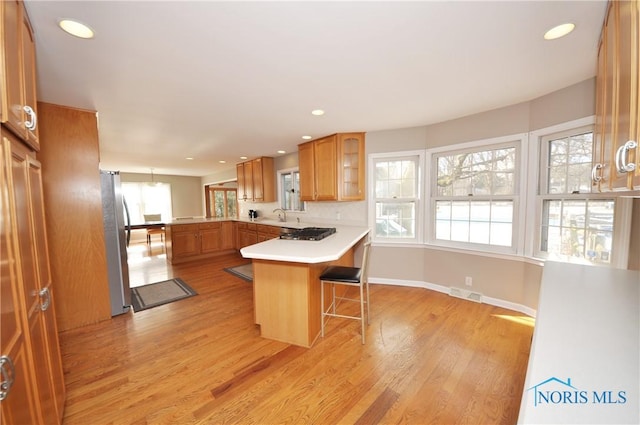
(348, 213)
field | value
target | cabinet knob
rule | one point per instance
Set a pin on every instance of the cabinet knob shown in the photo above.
(8, 375)
(46, 296)
(621, 157)
(596, 176)
(33, 120)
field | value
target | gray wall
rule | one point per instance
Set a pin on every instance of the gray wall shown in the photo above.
(514, 280)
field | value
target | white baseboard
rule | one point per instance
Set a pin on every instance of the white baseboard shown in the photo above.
(445, 290)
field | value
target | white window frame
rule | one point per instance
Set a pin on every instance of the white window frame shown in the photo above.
(520, 143)
(280, 200)
(419, 156)
(537, 195)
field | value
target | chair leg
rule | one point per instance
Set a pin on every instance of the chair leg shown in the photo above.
(368, 309)
(322, 309)
(333, 298)
(362, 312)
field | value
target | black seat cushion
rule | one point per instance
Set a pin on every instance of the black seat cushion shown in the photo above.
(342, 274)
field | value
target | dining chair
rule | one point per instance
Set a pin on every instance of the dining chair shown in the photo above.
(348, 276)
(149, 218)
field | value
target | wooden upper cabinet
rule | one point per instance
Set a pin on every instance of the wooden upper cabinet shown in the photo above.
(19, 109)
(351, 161)
(617, 107)
(307, 171)
(256, 180)
(245, 181)
(332, 168)
(325, 164)
(599, 171)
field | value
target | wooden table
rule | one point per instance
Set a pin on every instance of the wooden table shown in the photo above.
(149, 225)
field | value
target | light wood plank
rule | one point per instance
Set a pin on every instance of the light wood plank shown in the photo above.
(429, 358)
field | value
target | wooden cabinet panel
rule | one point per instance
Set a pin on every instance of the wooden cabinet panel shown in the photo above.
(326, 165)
(29, 83)
(12, 114)
(332, 168)
(211, 239)
(617, 87)
(244, 172)
(72, 192)
(48, 325)
(20, 405)
(247, 234)
(307, 170)
(228, 235)
(600, 170)
(19, 73)
(34, 279)
(185, 243)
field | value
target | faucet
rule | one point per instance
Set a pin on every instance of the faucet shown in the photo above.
(282, 218)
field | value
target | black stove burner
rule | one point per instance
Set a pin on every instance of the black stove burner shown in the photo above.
(307, 234)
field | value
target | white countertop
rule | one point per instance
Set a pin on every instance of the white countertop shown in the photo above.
(330, 248)
(585, 355)
(261, 220)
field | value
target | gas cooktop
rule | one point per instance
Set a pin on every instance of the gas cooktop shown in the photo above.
(307, 234)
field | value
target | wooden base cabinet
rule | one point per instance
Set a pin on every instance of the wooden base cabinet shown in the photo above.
(247, 234)
(31, 361)
(194, 241)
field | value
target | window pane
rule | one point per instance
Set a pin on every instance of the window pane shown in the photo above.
(578, 229)
(232, 203)
(557, 180)
(480, 173)
(569, 164)
(501, 234)
(395, 220)
(290, 191)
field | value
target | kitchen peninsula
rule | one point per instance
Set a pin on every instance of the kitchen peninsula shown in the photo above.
(286, 286)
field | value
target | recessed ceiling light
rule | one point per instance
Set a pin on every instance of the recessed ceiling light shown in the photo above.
(559, 31)
(189, 158)
(243, 157)
(317, 112)
(222, 161)
(281, 151)
(306, 137)
(76, 28)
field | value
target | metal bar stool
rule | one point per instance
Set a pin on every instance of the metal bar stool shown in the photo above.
(349, 276)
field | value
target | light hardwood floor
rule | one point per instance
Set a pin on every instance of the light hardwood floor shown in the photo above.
(429, 359)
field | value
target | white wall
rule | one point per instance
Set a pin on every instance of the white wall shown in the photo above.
(186, 192)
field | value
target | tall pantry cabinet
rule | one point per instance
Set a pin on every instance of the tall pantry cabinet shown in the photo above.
(32, 384)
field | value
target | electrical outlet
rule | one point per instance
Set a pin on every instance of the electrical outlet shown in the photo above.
(468, 281)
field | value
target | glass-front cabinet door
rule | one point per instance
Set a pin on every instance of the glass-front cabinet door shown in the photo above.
(351, 160)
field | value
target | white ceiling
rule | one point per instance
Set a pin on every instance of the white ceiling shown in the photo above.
(217, 80)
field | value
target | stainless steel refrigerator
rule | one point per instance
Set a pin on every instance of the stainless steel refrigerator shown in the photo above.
(117, 232)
